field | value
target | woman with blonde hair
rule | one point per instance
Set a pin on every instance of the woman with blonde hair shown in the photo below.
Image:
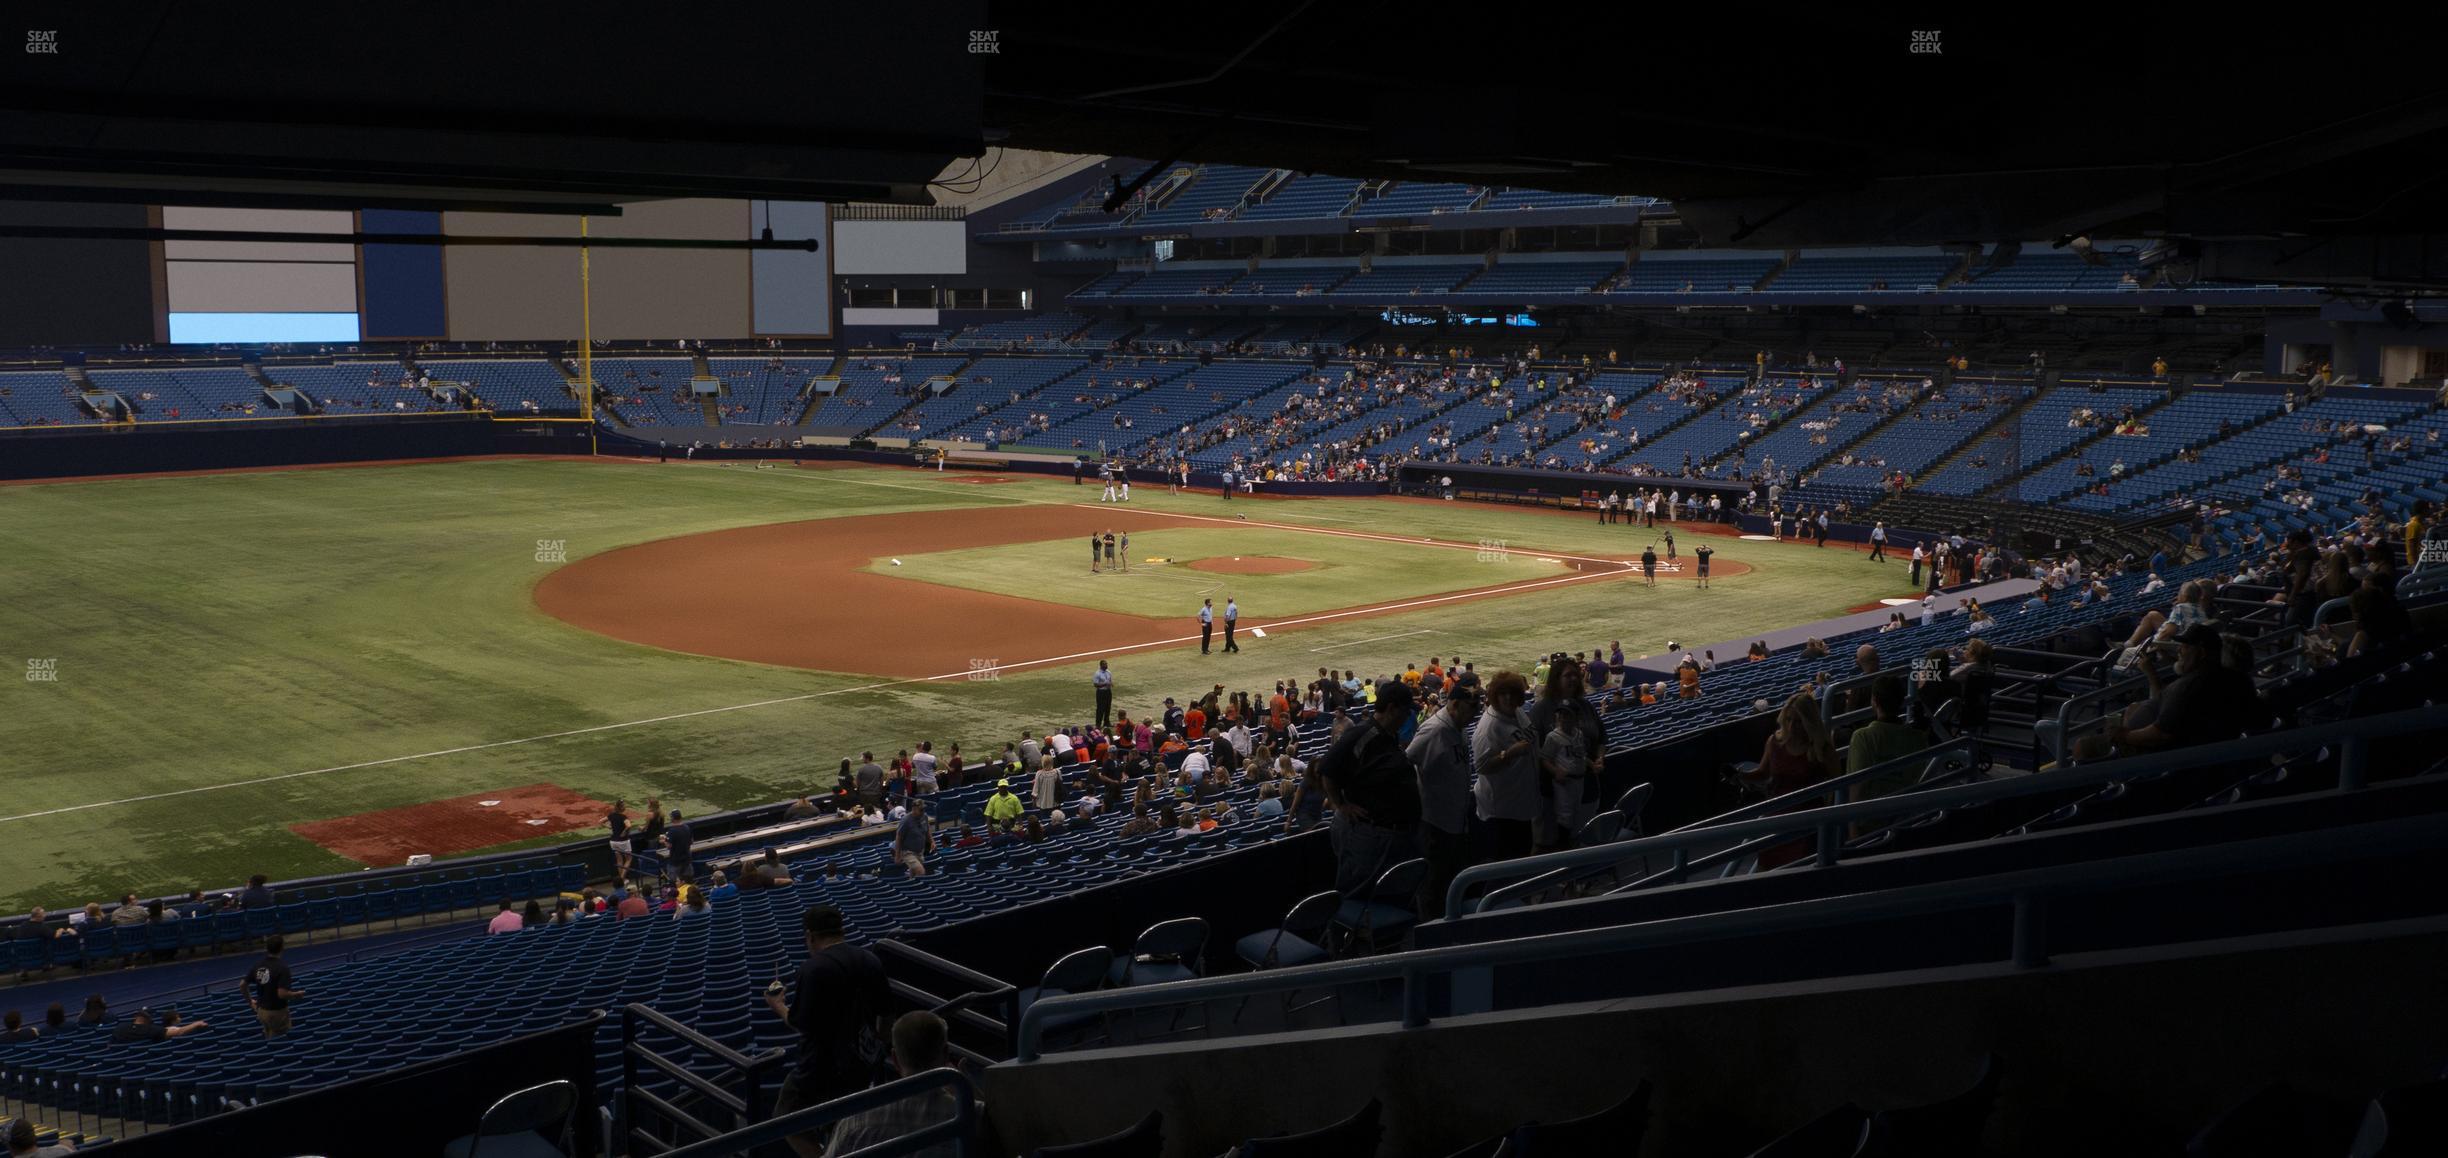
(1797, 755)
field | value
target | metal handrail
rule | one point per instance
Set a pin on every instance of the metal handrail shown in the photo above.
(2351, 735)
(959, 1129)
(746, 1105)
(2026, 890)
(1932, 774)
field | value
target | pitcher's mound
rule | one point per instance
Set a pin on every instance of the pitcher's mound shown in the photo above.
(1250, 564)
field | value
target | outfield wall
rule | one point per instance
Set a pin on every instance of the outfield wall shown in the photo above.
(70, 452)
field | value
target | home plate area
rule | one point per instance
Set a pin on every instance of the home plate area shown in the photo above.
(459, 824)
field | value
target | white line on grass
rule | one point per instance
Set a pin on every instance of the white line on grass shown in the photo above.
(1376, 639)
(1619, 566)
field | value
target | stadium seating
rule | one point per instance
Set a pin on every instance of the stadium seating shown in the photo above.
(1390, 282)
(2044, 430)
(1305, 196)
(2280, 437)
(1712, 275)
(1946, 419)
(873, 389)
(991, 383)
(1856, 274)
(1537, 278)
(1503, 199)
(772, 395)
(1213, 194)
(1731, 413)
(1409, 197)
(1202, 281)
(510, 385)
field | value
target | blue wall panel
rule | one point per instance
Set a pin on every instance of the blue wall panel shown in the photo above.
(403, 283)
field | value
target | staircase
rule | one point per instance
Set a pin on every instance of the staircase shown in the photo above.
(1981, 437)
(2006, 488)
(809, 398)
(926, 391)
(710, 405)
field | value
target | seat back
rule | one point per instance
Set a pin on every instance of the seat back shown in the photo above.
(1144, 1140)
(2417, 1119)
(1182, 939)
(1080, 971)
(1353, 1137)
(1948, 1127)
(1835, 1134)
(1399, 885)
(1616, 1129)
(1632, 802)
(1310, 914)
(1600, 829)
(2280, 1119)
(530, 1110)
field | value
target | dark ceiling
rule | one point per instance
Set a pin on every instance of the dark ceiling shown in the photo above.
(2309, 145)
(1772, 132)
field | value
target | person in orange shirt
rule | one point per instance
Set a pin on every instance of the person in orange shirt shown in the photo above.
(1411, 674)
(1194, 722)
(1279, 710)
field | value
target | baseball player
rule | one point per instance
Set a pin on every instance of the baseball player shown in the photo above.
(1670, 551)
(1106, 471)
(1206, 623)
(1122, 476)
(1232, 616)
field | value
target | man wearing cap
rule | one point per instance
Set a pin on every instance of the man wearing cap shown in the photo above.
(1206, 624)
(1104, 694)
(1002, 808)
(2207, 701)
(1374, 791)
(840, 996)
(1173, 718)
(1440, 749)
(1232, 616)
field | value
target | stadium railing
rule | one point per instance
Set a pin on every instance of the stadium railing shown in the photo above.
(959, 1131)
(1829, 825)
(2027, 894)
(641, 1106)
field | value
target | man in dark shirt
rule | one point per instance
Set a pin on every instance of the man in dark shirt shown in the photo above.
(13, 1029)
(841, 994)
(142, 1027)
(1374, 791)
(257, 895)
(2206, 702)
(912, 839)
(267, 988)
(679, 838)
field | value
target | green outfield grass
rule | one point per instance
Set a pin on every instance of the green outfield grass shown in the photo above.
(237, 653)
(1344, 572)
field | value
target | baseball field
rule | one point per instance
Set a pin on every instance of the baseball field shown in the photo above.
(305, 671)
